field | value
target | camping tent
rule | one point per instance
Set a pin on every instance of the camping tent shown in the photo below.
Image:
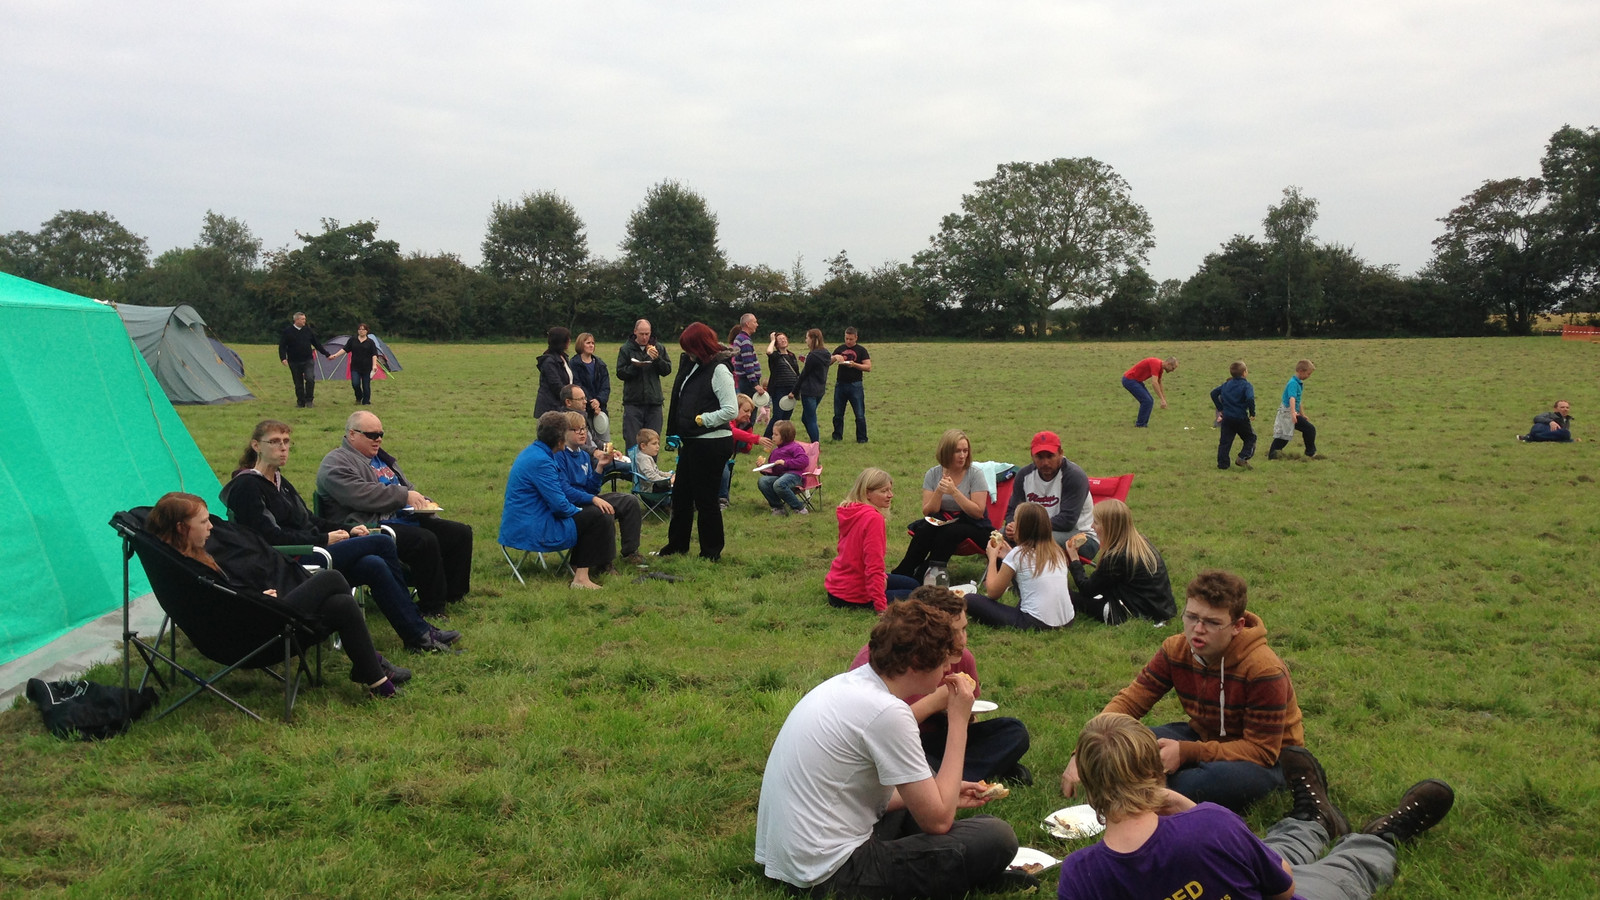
(174, 343)
(87, 432)
(339, 369)
(228, 357)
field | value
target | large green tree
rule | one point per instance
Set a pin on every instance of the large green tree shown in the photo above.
(88, 253)
(341, 276)
(1495, 252)
(1287, 228)
(537, 248)
(1571, 174)
(1037, 235)
(671, 245)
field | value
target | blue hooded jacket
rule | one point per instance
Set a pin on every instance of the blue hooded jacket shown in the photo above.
(537, 514)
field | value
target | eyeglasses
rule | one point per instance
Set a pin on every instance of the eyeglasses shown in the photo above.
(279, 442)
(1195, 621)
(369, 435)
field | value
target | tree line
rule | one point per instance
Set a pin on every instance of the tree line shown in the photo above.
(1055, 249)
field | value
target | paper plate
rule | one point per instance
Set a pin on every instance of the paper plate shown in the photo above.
(1028, 855)
(601, 423)
(983, 706)
(786, 403)
(762, 399)
(1073, 823)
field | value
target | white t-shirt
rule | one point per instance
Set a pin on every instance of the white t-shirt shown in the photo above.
(831, 774)
(1044, 595)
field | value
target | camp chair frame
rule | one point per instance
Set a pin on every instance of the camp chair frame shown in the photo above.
(811, 478)
(296, 637)
(561, 560)
(655, 503)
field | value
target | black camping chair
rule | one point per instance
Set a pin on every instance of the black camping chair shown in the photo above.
(236, 629)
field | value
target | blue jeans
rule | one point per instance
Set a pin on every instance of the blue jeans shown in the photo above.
(1234, 784)
(850, 392)
(1141, 394)
(780, 489)
(361, 383)
(808, 417)
(373, 561)
(1541, 431)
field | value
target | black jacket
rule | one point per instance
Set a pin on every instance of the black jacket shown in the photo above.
(299, 344)
(279, 515)
(1131, 589)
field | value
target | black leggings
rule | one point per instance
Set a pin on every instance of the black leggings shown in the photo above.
(699, 481)
(597, 539)
(326, 599)
(935, 544)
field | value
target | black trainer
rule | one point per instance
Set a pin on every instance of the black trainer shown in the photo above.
(397, 674)
(443, 636)
(427, 644)
(1422, 807)
(1308, 784)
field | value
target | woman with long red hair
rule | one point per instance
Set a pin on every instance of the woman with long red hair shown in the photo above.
(183, 522)
(703, 403)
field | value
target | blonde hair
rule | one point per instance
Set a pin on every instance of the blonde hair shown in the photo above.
(1037, 539)
(947, 447)
(1114, 524)
(1119, 763)
(744, 403)
(645, 436)
(870, 479)
(1306, 366)
(575, 420)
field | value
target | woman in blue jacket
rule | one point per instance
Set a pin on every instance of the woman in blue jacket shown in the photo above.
(539, 517)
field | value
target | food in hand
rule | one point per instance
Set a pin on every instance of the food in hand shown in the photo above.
(996, 538)
(994, 791)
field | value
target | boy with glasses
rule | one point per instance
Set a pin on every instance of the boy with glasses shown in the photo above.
(1235, 690)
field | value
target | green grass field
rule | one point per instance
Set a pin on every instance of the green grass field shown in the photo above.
(1431, 585)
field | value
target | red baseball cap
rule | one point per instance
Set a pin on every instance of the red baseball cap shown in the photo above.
(1045, 440)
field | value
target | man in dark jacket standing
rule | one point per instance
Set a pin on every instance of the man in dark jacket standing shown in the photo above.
(640, 364)
(298, 348)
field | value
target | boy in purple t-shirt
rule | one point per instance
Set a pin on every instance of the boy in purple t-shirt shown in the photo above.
(1158, 843)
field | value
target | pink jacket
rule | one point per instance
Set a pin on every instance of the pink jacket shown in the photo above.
(858, 574)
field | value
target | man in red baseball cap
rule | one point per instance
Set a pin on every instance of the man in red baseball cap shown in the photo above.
(1057, 484)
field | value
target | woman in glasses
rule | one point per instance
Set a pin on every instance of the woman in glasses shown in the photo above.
(261, 499)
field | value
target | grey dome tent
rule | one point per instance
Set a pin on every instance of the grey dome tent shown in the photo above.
(339, 369)
(174, 344)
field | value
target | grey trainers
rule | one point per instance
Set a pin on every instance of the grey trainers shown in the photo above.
(1308, 784)
(1422, 807)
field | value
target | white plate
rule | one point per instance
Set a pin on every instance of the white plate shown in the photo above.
(423, 512)
(983, 706)
(1030, 855)
(787, 403)
(1073, 823)
(932, 521)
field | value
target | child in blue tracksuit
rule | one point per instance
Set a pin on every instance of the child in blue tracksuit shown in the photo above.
(1235, 401)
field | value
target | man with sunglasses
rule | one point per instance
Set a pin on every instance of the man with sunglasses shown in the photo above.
(1236, 691)
(359, 483)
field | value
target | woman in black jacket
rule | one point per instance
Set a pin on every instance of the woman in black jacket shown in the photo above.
(813, 382)
(783, 370)
(1130, 577)
(703, 403)
(554, 373)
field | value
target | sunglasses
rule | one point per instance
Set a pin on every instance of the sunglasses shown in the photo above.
(371, 435)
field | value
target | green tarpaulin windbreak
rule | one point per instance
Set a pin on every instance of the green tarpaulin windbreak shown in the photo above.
(85, 431)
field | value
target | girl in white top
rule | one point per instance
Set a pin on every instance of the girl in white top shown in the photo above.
(1038, 565)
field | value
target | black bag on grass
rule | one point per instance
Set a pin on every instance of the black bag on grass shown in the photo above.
(87, 710)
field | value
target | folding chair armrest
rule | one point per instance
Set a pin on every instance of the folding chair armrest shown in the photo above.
(324, 558)
(386, 529)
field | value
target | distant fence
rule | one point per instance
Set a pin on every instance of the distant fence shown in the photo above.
(1580, 333)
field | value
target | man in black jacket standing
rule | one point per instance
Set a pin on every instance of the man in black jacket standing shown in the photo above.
(298, 348)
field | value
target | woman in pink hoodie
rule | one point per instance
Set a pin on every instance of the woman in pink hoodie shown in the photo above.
(858, 578)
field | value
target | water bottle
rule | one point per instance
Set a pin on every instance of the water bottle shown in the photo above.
(942, 579)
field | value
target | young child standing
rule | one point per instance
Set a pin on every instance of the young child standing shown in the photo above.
(781, 482)
(1291, 414)
(1235, 400)
(645, 461)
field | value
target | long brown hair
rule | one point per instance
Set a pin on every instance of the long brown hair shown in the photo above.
(247, 460)
(169, 522)
(1038, 541)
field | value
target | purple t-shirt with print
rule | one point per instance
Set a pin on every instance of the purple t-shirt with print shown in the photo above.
(1205, 852)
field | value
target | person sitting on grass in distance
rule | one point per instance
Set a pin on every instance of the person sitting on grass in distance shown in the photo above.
(1159, 842)
(995, 746)
(1292, 414)
(1131, 578)
(849, 805)
(183, 523)
(1235, 400)
(1555, 425)
(1060, 486)
(538, 516)
(581, 478)
(780, 484)
(1235, 690)
(1038, 567)
(743, 441)
(856, 578)
(953, 494)
(646, 461)
(261, 499)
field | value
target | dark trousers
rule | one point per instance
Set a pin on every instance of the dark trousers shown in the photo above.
(1541, 431)
(439, 553)
(1226, 432)
(630, 518)
(994, 746)
(1307, 431)
(993, 613)
(597, 539)
(853, 393)
(637, 417)
(700, 465)
(374, 561)
(934, 544)
(1234, 784)
(304, 373)
(361, 383)
(779, 414)
(899, 860)
(1141, 394)
(326, 599)
(895, 589)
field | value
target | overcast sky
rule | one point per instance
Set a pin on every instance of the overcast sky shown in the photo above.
(809, 128)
